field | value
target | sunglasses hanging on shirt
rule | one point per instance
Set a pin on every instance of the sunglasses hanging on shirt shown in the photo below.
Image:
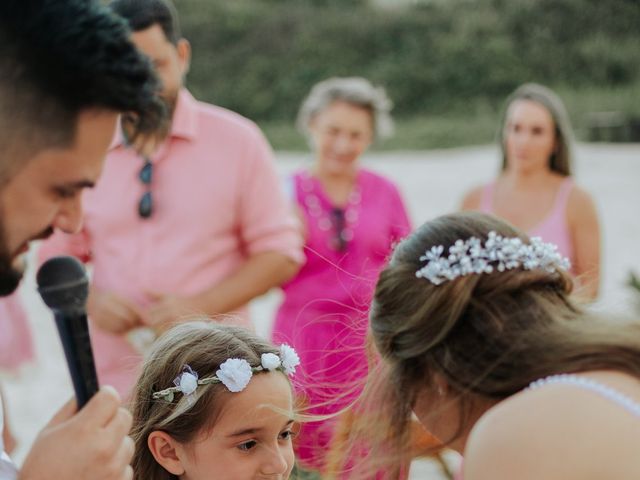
(145, 206)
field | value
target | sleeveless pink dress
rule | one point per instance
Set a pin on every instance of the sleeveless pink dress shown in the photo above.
(554, 228)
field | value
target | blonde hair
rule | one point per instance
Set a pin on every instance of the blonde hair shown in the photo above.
(356, 91)
(561, 159)
(487, 335)
(203, 346)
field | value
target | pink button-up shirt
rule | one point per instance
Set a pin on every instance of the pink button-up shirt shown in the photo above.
(217, 201)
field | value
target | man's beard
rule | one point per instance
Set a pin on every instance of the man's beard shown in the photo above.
(12, 267)
(10, 274)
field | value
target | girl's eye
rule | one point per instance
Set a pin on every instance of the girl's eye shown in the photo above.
(65, 193)
(246, 446)
(286, 435)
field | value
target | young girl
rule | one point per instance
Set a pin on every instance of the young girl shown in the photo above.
(214, 402)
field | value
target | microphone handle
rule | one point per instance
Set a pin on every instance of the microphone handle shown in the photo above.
(74, 334)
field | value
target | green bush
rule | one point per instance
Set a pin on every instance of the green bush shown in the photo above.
(452, 58)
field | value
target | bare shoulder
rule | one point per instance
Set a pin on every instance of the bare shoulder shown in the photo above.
(547, 433)
(472, 199)
(580, 199)
(580, 204)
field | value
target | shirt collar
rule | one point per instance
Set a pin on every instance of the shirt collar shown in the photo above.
(184, 123)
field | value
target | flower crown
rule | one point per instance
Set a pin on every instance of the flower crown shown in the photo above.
(234, 373)
(498, 253)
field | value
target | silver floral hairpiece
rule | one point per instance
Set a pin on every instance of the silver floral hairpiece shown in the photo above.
(498, 253)
(233, 373)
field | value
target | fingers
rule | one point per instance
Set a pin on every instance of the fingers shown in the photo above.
(123, 457)
(119, 426)
(128, 473)
(101, 409)
(127, 313)
(114, 313)
(65, 413)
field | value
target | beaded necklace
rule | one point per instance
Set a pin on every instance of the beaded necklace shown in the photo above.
(588, 384)
(341, 220)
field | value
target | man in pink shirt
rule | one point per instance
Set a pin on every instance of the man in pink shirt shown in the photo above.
(189, 221)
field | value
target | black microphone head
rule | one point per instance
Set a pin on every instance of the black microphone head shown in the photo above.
(63, 284)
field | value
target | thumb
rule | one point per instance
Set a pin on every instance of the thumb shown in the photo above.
(154, 296)
(67, 411)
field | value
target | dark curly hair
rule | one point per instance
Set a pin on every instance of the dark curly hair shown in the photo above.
(59, 58)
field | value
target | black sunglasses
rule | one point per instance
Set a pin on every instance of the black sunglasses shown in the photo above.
(145, 206)
(338, 220)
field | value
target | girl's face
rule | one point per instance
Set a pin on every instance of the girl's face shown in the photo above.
(529, 136)
(251, 439)
(340, 134)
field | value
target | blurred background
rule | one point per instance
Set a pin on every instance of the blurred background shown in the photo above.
(448, 65)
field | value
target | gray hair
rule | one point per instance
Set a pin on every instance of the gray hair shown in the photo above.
(353, 90)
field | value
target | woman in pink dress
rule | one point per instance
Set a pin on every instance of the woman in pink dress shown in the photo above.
(535, 190)
(351, 217)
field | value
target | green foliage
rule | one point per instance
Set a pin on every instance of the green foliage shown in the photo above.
(456, 58)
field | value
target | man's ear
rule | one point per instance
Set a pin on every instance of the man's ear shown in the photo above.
(164, 449)
(184, 55)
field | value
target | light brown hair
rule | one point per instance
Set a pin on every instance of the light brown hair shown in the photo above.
(203, 346)
(487, 335)
(561, 159)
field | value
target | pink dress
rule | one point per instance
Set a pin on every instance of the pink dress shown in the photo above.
(324, 312)
(554, 228)
(16, 344)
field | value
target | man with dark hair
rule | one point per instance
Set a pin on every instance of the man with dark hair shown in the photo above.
(67, 71)
(194, 214)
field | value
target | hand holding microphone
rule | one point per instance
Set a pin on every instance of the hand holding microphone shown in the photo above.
(90, 444)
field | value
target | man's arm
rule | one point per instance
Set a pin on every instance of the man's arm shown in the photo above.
(256, 276)
(269, 233)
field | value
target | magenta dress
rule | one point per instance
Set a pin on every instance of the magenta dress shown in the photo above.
(324, 312)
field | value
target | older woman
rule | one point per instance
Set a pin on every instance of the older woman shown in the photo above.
(352, 217)
(535, 190)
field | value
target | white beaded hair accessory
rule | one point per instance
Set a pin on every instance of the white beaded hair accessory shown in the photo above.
(233, 373)
(466, 257)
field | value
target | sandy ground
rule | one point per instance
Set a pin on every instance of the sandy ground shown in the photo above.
(433, 183)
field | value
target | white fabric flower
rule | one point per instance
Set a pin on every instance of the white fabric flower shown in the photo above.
(270, 361)
(235, 374)
(290, 359)
(187, 381)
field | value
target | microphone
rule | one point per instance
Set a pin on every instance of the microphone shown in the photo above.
(64, 287)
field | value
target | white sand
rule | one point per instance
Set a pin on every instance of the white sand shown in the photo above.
(433, 183)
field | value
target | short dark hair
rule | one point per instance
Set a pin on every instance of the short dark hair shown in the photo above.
(59, 58)
(142, 14)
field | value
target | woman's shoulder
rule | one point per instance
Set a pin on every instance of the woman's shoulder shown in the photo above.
(579, 195)
(526, 432)
(580, 205)
(472, 199)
